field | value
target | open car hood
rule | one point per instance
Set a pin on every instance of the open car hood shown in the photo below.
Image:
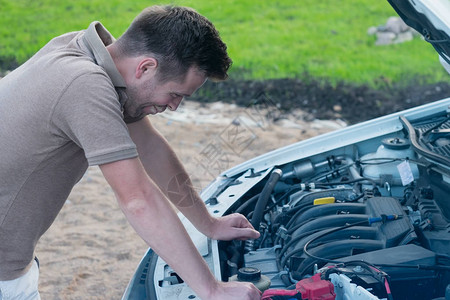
(431, 18)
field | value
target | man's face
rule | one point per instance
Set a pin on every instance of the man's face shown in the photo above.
(150, 96)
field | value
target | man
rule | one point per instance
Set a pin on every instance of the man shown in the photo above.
(82, 100)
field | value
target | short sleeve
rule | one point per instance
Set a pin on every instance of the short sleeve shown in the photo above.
(89, 114)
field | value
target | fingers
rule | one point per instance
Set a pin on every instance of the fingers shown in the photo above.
(248, 233)
(242, 220)
(239, 291)
(234, 227)
(254, 293)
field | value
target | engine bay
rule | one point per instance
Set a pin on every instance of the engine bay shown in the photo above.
(371, 218)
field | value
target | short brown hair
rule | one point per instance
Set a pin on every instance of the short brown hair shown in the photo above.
(179, 38)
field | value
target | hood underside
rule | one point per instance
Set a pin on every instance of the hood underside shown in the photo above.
(431, 19)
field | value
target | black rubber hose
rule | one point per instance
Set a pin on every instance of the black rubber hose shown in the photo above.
(241, 209)
(234, 261)
(264, 197)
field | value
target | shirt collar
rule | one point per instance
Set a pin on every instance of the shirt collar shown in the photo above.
(96, 38)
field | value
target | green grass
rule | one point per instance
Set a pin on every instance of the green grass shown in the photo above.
(266, 39)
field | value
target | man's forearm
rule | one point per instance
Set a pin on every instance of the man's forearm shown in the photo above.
(173, 180)
(164, 167)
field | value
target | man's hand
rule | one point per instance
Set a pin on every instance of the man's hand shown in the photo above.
(235, 290)
(232, 227)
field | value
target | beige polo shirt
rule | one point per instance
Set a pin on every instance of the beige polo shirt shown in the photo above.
(59, 112)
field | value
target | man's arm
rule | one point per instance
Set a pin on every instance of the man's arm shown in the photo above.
(163, 166)
(154, 219)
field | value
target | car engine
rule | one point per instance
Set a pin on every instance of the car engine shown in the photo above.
(374, 223)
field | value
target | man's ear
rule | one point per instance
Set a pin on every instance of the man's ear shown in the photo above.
(146, 67)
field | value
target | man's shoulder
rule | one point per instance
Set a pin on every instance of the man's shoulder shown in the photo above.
(64, 43)
(66, 52)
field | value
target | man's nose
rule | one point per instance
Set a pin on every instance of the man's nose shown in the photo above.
(173, 105)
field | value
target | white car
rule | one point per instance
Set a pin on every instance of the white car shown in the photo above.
(359, 213)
